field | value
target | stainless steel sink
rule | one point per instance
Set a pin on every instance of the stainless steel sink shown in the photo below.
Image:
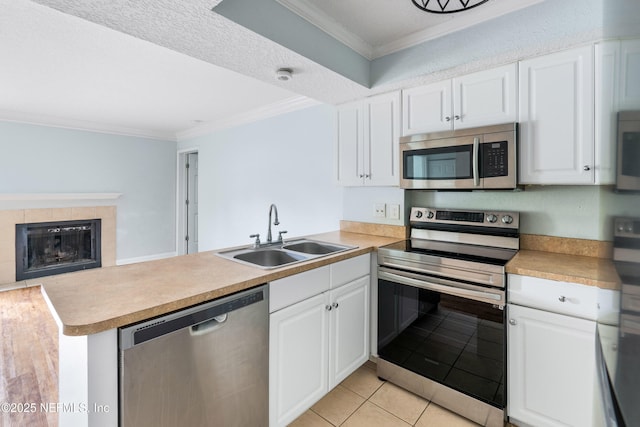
(278, 255)
(269, 257)
(314, 248)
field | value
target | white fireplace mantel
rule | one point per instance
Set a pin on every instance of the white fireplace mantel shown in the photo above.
(58, 196)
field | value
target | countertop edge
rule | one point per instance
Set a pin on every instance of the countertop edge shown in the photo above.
(256, 277)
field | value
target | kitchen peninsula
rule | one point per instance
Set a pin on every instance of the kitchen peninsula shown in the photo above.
(89, 306)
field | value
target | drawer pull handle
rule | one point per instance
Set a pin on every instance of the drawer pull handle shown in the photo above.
(562, 299)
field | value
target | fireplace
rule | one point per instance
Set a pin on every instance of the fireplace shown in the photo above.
(48, 248)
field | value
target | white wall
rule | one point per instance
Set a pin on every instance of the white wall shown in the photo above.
(41, 159)
(286, 160)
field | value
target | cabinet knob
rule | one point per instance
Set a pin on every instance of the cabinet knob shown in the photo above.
(513, 322)
(361, 176)
(448, 118)
(562, 298)
(334, 305)
(327, 307)
(586, 168)
(457, 117)
(368, 176)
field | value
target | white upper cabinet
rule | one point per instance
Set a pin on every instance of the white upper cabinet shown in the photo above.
(607, 70)
(367, 144)
(629, 75)
(556, 115)
(427, 108)
(478, 99)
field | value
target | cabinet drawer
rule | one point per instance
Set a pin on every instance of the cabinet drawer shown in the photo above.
(349, 270)
(559, 297)
(290, 290)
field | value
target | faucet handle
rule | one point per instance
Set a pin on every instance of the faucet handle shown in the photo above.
(280, 233)
(257, 242)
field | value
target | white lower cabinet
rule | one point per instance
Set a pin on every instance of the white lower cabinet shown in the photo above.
(551, 357)
(316, 343)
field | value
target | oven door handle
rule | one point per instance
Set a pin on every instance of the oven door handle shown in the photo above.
(482, 296)
(476, 177)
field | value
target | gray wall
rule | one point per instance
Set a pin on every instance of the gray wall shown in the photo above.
(287, 160)
(41, 159)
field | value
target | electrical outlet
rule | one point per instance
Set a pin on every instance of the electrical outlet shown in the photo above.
(394, 211)
(379, 210)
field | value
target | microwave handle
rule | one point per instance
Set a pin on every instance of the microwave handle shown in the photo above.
(476, 177)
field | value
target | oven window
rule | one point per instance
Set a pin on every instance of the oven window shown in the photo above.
(439, 163)
(631, 153)
(454, 341)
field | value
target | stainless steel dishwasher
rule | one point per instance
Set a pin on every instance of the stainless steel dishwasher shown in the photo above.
(203, 366)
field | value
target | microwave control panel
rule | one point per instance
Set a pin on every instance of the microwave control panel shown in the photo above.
(495, 159)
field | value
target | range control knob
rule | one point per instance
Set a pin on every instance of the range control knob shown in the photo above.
(492, 218)
(507, 219)
(418, 214)
(629, 228)
(430, 215)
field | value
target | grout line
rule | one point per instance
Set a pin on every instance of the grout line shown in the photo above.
(323, 417)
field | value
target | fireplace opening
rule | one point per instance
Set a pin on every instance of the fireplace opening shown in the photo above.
(49, 248)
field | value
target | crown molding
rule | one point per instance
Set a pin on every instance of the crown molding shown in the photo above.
(271, 110)
(482, 14)
(326, 23)
(82, 125)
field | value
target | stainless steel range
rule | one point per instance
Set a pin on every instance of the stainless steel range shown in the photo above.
(441, 299)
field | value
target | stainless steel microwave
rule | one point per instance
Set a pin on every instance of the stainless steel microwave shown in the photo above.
(467, 159)
(628, 151)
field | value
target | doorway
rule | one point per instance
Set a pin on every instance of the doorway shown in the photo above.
(187, 202)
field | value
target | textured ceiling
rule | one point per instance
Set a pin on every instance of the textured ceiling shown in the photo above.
(57, 67)
(170, 63)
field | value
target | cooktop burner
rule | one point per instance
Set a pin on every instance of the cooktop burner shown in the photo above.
(460, 251)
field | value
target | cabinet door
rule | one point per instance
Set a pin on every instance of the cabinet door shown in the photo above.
(349, 149)
(629, 72)
(381, 133)
(298, 358)
(556, 118)
(485, 98)
(607, 66)
(427, 108)
(349, 326)
(551, 368)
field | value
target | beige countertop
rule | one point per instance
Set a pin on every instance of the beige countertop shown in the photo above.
(93, 301)
(585, 270)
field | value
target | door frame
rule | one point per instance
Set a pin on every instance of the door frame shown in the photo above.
(181, 176)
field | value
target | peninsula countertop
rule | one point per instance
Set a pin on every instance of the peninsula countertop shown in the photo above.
(93, 301)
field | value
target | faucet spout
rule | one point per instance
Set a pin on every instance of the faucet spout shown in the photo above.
(272, 208)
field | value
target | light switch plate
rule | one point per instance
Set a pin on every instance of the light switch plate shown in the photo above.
(394, 211)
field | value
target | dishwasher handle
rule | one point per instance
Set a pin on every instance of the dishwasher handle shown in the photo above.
(209, 325)
(200, 319)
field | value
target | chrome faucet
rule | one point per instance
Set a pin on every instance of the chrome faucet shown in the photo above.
(275, 222)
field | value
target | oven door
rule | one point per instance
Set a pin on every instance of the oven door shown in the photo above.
(454, 336)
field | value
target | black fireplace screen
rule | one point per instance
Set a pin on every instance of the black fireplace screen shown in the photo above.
(48, 248)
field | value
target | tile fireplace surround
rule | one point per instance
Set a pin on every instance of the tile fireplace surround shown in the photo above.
(9, 219)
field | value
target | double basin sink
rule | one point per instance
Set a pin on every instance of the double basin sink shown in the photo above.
(281, 254)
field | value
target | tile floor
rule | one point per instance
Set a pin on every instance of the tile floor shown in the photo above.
(364, 400)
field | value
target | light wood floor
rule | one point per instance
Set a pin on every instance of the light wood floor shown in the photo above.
(29, 359)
